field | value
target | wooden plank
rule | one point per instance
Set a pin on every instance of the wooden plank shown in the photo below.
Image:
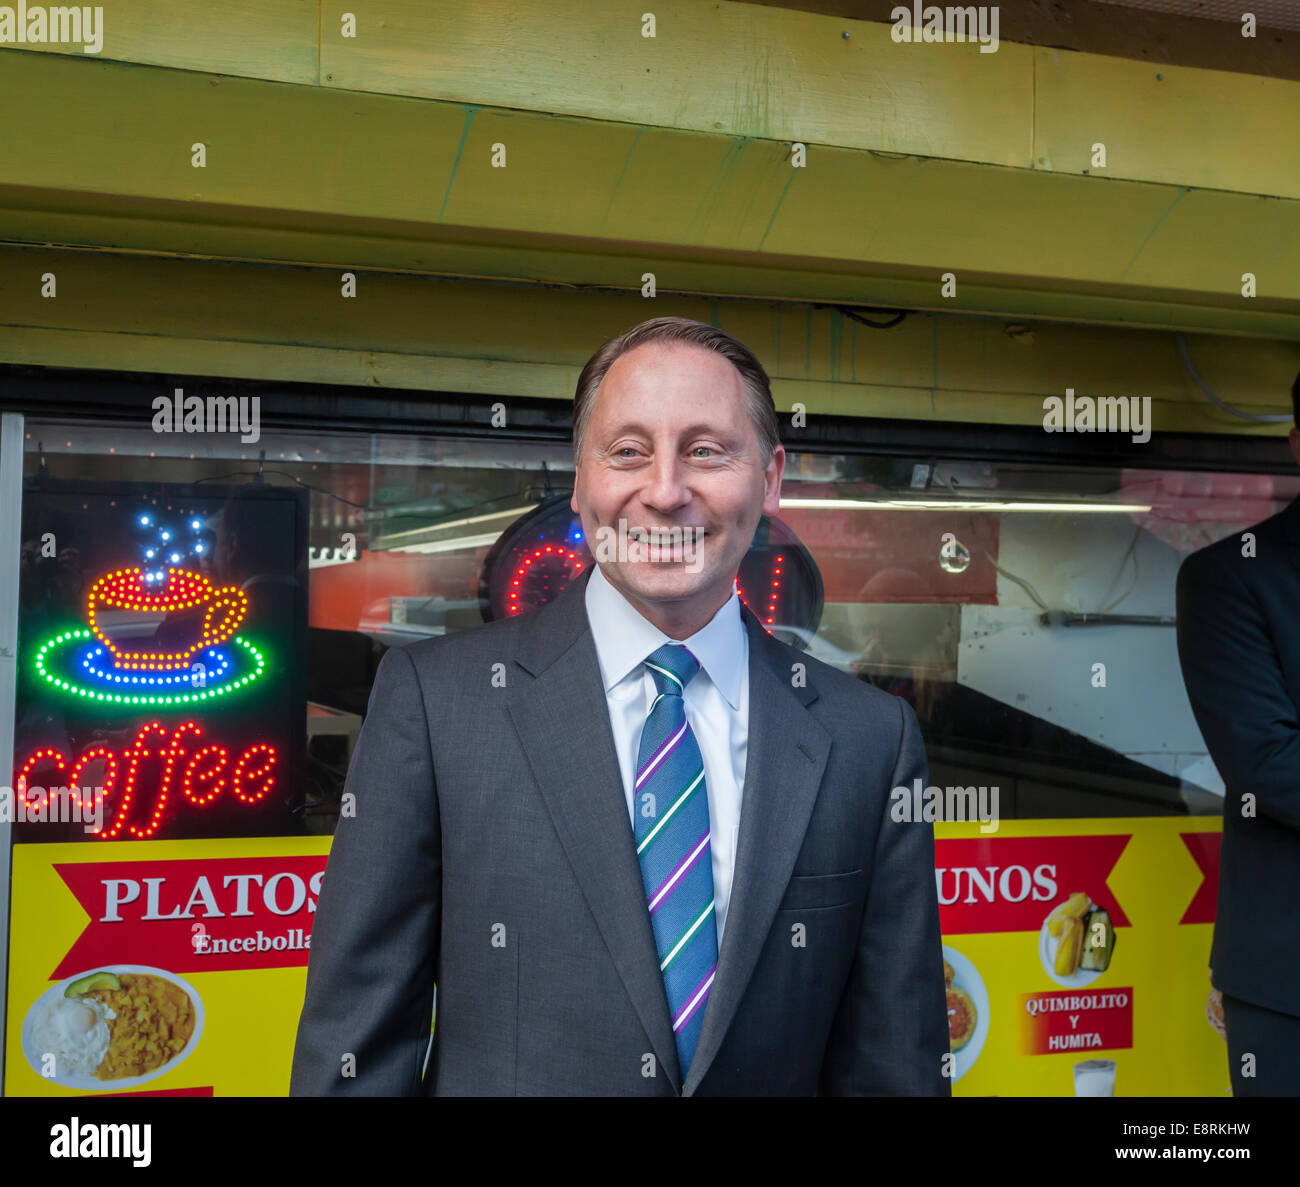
(280, 362)
(207, 317)
(243, 37)
(1172, 124)
(722, 67)
(748, 71)
(317, 176)
(524, 260)
(257, 136)
(368, 251)
(274, 362)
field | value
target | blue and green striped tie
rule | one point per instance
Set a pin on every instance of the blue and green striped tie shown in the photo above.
(671, 811)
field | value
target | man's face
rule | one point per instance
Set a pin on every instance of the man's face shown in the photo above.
(670, 444)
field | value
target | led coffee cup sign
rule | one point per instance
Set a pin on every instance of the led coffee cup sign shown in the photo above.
(123, 607)
(151, 711)
(125, 660)
(162, 640)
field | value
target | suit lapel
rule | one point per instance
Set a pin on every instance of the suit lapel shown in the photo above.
(562, 720)
(786, 755)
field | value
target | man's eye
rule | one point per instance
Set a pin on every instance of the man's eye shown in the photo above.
(626, 449)
(706, 448)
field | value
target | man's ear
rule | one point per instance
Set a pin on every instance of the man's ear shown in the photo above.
(772, 475)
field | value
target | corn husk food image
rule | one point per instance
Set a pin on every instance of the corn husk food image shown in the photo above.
(1098, 940)
(1084, 934)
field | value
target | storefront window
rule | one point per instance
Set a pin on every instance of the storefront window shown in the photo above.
(1025, 611)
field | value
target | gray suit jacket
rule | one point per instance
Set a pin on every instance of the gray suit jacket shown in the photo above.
(491, 852)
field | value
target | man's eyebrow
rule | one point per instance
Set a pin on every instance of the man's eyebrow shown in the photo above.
(700, 427)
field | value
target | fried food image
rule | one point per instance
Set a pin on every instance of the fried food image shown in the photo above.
(948, 975)
(1070, 948)
(155, 1019)
(1072, 908)
(961, 1018)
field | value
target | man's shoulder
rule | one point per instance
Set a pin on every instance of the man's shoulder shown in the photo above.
(1238, 552)
(840, 689)
(447, 652)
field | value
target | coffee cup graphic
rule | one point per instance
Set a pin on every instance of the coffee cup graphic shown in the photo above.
(161, 625)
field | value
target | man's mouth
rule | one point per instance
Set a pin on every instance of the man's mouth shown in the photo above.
(666, 537)
(667, 544)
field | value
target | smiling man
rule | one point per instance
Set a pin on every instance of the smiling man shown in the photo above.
(685, 490)
(657, 858)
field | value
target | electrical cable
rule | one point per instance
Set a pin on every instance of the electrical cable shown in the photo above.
(1124, 561)
(1020, 581)
(257, 478)
(1266, 418)
(853, 315)
(951, 484)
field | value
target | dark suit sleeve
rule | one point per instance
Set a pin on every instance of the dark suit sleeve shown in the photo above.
(891, 1029)
(375, 936)
(1237, 689)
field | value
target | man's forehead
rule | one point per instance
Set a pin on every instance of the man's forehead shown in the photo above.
(634, 424)
(682, 358)
(637, 380)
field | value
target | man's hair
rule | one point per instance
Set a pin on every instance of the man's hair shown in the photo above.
(758, 391)
(1295, 400)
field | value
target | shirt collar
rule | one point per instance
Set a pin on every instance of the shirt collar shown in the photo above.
(624, 638)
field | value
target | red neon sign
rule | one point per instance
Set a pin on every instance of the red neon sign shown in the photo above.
(543, 556)
(775, 591)
(198, 775)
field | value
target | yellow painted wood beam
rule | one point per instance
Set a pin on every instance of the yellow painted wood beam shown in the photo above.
(753, 71)
(249, 38)
(317, 176)
(137, 313)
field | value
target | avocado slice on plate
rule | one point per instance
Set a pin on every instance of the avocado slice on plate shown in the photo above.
(93, 981)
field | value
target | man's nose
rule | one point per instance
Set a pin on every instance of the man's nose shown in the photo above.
(665, 487)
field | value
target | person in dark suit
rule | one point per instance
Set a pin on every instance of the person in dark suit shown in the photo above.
(1239, 646)
(642, 847)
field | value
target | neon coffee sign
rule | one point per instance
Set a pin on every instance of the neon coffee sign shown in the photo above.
(162, 639)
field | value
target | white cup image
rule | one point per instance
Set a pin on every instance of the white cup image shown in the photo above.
(1094, 1077)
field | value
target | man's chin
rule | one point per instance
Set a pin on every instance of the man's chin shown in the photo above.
(660, 581)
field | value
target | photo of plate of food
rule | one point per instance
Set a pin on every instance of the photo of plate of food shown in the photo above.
(1076, 941)
(968, 1011)
(113, 1027)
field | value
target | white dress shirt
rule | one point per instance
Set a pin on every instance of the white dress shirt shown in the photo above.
(717, 708)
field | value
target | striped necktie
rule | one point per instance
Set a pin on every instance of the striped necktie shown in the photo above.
(671, 811)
